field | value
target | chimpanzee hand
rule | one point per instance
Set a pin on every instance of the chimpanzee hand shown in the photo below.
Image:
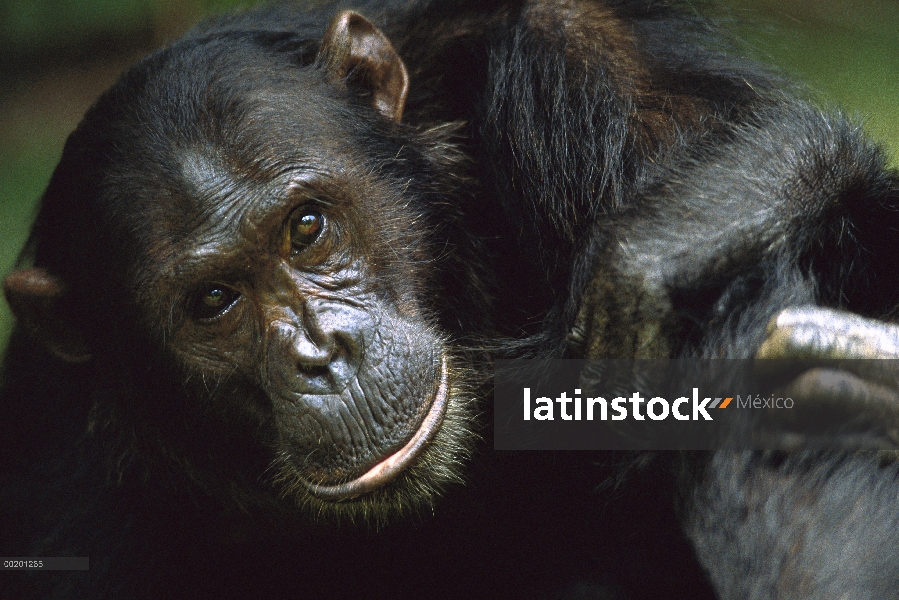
(853, 374)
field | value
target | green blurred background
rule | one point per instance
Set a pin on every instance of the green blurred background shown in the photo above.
(56, 56)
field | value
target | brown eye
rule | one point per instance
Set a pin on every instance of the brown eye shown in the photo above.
(305, 229)
(211, 301)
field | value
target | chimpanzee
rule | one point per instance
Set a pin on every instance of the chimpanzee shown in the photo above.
(269, 273)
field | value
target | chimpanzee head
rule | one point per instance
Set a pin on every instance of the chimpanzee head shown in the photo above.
(237, 239)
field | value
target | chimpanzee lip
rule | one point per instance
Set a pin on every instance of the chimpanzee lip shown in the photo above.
(389, 468)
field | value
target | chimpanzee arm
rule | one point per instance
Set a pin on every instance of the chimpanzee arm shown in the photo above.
(737, 255)
(795, 210)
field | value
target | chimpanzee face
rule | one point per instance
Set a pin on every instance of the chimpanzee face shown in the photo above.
(281, 260)
(293, 281)
(274, 255)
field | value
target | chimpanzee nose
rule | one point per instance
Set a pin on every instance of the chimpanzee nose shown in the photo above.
(309, 354)
(312, 356)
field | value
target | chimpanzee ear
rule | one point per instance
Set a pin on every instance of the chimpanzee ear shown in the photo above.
(37, 298)
(354, 47)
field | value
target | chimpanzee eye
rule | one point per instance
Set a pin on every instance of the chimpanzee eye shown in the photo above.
(305, 228)
(213, 300)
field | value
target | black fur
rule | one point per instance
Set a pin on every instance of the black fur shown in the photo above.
(541, 145)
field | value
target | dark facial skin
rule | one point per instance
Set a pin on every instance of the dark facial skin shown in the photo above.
(279, 287)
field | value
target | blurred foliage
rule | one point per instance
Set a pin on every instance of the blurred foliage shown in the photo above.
(847, 52)
(23, 22)
(57, 55)
(33, 22)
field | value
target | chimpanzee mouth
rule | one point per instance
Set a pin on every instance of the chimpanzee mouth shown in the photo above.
(390, 467)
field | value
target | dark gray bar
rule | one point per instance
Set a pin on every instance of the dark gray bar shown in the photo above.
(53, 563)
(696, 404)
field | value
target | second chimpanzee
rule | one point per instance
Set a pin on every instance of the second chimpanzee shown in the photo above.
(272, 265)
